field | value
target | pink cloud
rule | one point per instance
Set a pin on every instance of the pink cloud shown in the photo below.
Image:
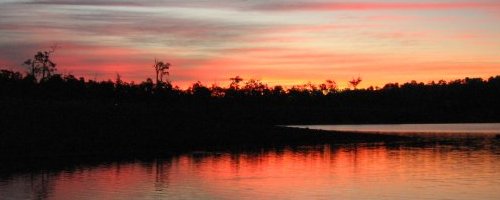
(392, 18)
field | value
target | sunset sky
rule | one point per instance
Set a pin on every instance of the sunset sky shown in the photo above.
(277, 41)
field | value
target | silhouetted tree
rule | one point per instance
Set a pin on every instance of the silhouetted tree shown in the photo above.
(355, 82)
(118, 80)
(235, 82)
(41, 64)
(147, 86)
(328, 87)
(217, 91)
(278, 90)
(161, 69)
(6, 75)
(199, 90)
(254, 88)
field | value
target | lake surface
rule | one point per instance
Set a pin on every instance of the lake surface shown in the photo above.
(448, 130)
(460, 168)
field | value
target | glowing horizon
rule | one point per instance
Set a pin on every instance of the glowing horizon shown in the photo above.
(277, 41)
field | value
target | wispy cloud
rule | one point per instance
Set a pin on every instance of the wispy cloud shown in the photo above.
(338, 6)
(86, 2)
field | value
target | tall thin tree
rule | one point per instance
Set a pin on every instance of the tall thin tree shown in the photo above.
(161, 69)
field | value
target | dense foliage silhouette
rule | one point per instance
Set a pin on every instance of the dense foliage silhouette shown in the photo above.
(464, 100)
(54, 114)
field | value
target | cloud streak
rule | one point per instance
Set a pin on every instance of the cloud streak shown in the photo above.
(359, 6)
(86, 2)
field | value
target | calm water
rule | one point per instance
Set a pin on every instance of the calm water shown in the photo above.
(440, 130)
(462, 168)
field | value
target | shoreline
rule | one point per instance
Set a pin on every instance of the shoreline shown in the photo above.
(260, 137)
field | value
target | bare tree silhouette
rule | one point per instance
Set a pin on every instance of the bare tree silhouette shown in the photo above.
(161, 69)
(41, 64)
(235, 82)
(118, 80)
(355, 82)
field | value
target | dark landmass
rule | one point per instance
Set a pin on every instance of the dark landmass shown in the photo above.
(60, 116)
(66, 129)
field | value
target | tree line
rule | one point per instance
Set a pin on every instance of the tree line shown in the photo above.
(469, 99)
(44, 113)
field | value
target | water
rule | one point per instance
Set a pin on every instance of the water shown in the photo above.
(448, 130)
(462, 168)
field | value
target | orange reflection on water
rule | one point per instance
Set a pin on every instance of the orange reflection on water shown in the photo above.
(307, 172)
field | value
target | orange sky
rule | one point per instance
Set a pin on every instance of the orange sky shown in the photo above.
(277, 41)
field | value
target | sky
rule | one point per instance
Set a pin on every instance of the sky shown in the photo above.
(282, 42)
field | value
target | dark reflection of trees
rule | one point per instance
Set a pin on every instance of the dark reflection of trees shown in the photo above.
(198, 157)
(42, 184)
(162, 174)
(41, 181)
(235, 162)
(496, 146)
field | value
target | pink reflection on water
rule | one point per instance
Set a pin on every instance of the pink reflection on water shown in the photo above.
(308, 172)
